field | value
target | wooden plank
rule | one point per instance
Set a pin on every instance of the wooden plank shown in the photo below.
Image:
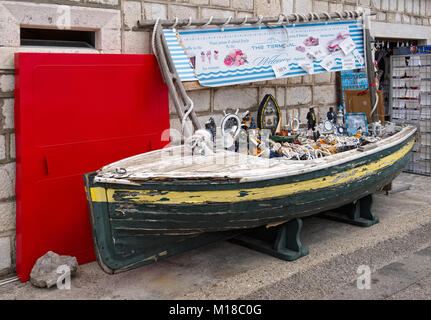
(193, 85)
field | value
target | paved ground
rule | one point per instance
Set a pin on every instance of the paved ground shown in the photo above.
(397, 250)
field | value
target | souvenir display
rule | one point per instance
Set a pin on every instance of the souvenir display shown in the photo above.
(268, 114)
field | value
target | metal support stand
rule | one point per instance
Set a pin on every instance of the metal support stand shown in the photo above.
(357, 213)
(282, 242)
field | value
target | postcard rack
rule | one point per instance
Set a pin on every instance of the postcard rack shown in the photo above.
(410, 102)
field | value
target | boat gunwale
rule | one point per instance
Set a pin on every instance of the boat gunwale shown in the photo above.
(308, 165)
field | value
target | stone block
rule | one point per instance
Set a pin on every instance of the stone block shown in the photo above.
(268, 7)
(280, 96)
(324, 77)
(106, 2)
(416, 9)
(12, 146)
(5, 254)
(221, 3)
(234, 98)
(217, 13)
(183, 12)
(7, 216)
(320, 6)
(325, 94)
(201, 100)
(400, 6)
(264, 91)
(7, 177)
(7, 83)
(132, 13)
(393, 4)
(155, 10)
(287, 6)
(7, 111)
(2, 147)
(298, 95)
(303, 6)
(137, 42)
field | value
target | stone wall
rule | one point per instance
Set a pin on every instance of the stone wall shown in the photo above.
(113, 21)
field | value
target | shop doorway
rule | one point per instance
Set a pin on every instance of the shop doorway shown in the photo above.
(384, 49)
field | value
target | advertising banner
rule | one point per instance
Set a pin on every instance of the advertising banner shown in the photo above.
(220, 57)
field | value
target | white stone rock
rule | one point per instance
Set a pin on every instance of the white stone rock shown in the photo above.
(44, 272)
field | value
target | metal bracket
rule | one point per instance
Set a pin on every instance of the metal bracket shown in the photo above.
(282, 242)
(357, 213)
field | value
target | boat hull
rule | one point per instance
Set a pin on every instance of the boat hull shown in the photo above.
(137, 225)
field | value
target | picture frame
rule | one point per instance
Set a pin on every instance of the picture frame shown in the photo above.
(356, 121)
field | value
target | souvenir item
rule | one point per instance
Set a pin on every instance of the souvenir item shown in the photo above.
(268, 114)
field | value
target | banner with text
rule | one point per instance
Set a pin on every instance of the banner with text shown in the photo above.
(217, 57)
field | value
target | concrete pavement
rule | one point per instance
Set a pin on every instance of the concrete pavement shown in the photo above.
(227, 271)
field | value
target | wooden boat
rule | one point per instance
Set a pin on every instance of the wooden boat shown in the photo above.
(157, 204)
(163, 202)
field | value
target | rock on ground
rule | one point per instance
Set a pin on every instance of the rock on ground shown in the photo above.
(44, 272)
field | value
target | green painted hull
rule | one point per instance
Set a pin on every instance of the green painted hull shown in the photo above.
(137, 225)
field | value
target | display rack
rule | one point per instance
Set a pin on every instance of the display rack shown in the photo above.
(410, 102)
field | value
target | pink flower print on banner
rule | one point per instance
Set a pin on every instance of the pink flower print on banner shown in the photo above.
(300, 48)
(203, 56)
(228, 61)
(311, 42)
(334, 45)
(209, 56)
(215, 54)
(235, 58)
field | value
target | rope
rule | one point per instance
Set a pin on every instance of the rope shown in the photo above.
(259, 22)
(153, 36)
(189, 23)
(244, 22)
(186, 115)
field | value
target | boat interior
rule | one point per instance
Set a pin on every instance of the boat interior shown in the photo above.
(181, 162)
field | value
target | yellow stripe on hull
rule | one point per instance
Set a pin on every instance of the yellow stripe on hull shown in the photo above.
(237, 195)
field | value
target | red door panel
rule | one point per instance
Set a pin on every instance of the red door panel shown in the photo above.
(75, 113)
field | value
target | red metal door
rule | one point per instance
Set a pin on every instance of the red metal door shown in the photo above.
(75, 113)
